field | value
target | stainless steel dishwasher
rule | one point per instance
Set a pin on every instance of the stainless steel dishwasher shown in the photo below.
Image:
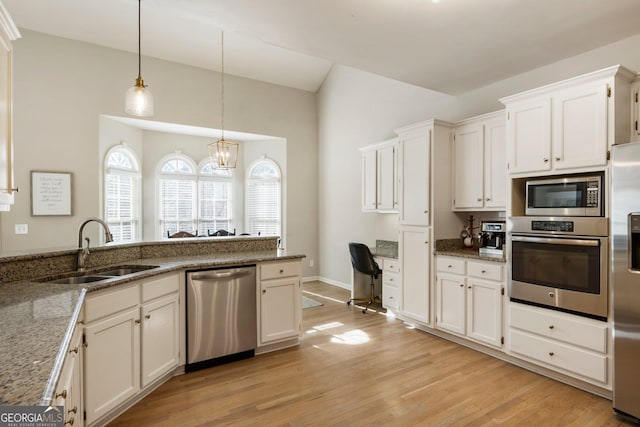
(221, 316)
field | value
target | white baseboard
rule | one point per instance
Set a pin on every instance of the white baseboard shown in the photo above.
(346, 286)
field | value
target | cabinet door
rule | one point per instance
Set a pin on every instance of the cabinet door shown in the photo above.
(386, 179)
(415, 255)
(468, 161)
(635, 111)
(484, 311)
(160, 338)
(414, 182)
(580, 127)
(451, 303)
(529, 136)
(495, 165)
(369, 181)
(112, 362)
(69, 389)
(6, 138)
(279, 309)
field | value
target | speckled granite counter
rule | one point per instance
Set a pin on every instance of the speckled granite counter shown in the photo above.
(38, 318)
(386, 249)
(453, 247)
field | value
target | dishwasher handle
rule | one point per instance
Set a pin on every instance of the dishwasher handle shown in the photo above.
(221, 274)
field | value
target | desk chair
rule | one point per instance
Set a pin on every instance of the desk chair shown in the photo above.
(363, 262)
(181, 234)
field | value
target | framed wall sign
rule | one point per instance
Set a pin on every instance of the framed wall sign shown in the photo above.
(50, 193)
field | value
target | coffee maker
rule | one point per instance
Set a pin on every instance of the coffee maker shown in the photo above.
(492, 238)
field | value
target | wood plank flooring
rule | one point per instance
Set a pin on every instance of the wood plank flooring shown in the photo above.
(366, 369)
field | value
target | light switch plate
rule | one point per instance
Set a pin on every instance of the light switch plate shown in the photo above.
(22, 228)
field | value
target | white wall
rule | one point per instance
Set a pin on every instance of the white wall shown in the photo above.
(61, 87)
(357, 108)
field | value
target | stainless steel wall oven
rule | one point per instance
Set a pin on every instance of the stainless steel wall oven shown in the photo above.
(561, 263)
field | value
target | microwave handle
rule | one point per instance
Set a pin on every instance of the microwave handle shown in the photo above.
(552, 241)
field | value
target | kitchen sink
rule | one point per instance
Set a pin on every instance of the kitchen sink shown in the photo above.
(78, 280)
(125, 269)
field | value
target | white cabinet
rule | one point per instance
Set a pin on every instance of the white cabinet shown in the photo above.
(8, 32)
(414, 175)
(380, 177)
(160, 328)
(69, 389)
(570, 344)
(391, 284)
(469, 299)
(568, 126)
(131, 339)
(479, 163)
(635, 110)
(280, 305)
(415, 257)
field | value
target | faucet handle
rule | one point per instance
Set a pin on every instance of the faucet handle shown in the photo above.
(88, 243)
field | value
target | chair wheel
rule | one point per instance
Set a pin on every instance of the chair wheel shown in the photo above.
(349, 302)
(364, 311)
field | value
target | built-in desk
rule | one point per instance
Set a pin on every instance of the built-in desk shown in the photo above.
(385, 253)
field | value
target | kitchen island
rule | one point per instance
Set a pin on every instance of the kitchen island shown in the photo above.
(38, 317)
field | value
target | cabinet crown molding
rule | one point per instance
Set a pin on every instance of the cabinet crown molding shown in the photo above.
(7, 26)
(422, 125)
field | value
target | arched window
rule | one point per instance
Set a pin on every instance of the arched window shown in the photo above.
(196, 199)
(122, 193)
(177, 183)
(263, 187)
(215, 199)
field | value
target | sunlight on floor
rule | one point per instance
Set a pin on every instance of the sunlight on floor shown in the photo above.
(352, 337)
(324, 327)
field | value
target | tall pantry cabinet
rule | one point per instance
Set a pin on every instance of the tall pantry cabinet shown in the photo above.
(424, 154)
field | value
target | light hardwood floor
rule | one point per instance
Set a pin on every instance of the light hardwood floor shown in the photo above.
(365, 369)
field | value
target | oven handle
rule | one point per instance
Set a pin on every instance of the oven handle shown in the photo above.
(552, 241)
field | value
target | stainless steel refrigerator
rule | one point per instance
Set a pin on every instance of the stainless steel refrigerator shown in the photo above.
(625, 229)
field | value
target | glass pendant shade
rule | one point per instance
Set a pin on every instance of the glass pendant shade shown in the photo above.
(223, 154)
(139, 100)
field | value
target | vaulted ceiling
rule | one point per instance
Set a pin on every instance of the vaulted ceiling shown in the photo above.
(447, 45)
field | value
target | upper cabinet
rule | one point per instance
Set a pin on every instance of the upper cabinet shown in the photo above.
(8, 33)
(479, 163)
(568, 126)
(380, 177)
(635, 110)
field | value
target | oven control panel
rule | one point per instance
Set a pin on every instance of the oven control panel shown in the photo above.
(559, 226)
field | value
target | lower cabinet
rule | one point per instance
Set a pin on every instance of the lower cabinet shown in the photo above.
(69, 390)
(391, 284)
(415, 254)
(131, 339)
(570, 344)
(469, 299)
(279, 301)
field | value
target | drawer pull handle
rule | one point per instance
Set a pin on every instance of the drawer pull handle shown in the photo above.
(551, 353)
(62, 395)
(551, 326)
(73, 411)
(70, 422)
(75, 350)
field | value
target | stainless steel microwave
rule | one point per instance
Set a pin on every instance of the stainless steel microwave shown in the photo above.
(565, 196)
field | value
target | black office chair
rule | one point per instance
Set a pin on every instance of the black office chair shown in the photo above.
(363, 262)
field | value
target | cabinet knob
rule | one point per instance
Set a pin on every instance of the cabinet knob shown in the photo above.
(75, 350)
(488, 199)
(426, 211)
(281, 271)
(551, 295)
(558, 159)
(469, 286)
(264, 291)
(551, 326)
(479, 199)
(449, 266)
(545, 160)
(391, 280)
(69, 421)
(137, 321)
(147, 316)
(391, 297)
(551, 353)
(462, 285)
(74, 410)
(62, 395)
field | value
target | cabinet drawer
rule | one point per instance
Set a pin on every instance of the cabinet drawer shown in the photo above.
(105, 303)
(390, 279)
(390, 297)
(158, 287)
(560, 326)
(557, 355)
(280, 269)
(451, 265)
(485, 270)
(390, 265)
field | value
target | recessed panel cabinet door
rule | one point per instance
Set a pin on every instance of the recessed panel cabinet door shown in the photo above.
(529, 136)
(415, 255)
(112, 362)
(415, 173)
(580, 127)
(160, 338)
(451, 303)
(468, 157)
(279, 309)
(495, 165)
(386, 179)
(369, 181)
(484, 311)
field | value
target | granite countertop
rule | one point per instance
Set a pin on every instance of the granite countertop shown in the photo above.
(385, 249)
(38, 319)
(468, 253)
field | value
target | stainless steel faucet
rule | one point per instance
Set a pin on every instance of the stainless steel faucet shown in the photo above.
(83, 253)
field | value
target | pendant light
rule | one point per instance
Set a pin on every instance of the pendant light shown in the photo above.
(139, 100)
(223, 154)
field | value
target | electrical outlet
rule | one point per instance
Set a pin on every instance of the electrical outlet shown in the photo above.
(310, 263)
(22, 228)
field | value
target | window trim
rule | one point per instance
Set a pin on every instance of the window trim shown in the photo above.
(248, 178)
(137, 175)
